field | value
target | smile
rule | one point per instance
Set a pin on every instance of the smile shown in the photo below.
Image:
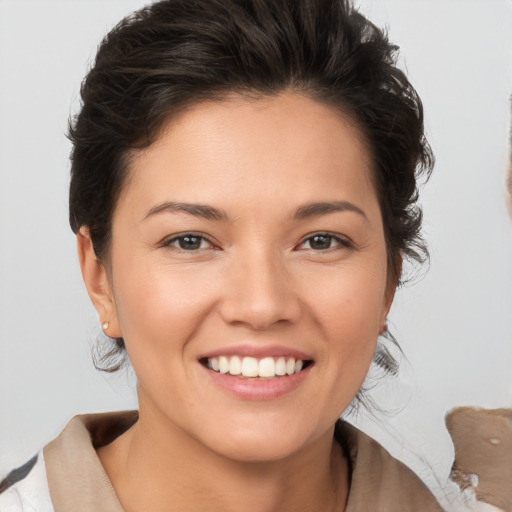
(252, 367)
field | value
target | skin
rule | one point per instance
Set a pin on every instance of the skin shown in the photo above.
(256, 278)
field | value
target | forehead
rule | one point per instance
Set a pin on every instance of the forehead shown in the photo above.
(285, 145)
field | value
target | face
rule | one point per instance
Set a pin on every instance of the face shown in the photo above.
(248, 238)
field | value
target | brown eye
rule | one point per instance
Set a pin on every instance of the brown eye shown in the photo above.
(320, 242)
(188, 242)
(324, 242)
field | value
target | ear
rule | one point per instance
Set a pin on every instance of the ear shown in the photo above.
(391, 286)
(97, 283)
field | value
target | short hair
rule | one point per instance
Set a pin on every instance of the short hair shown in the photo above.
(175, 53)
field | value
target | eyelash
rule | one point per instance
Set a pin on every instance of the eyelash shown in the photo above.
(340, 241)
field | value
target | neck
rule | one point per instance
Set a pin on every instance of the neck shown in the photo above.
(156, 466)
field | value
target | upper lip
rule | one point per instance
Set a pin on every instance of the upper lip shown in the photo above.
(257, 351)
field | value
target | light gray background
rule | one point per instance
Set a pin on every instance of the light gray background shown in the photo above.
(454, 324)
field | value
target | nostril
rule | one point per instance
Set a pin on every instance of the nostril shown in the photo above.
(259, 314)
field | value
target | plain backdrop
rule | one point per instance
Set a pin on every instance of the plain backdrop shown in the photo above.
(454, 324)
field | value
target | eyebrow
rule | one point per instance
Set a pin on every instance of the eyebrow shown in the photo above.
(199, 210)
(323, 208)
(211, 213)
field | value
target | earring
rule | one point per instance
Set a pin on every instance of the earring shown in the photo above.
(105, 326)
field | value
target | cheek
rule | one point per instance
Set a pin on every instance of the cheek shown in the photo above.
(159, 308)
(350, 311)
(352, 300)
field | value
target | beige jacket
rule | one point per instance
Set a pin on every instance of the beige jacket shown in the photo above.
(78, 482)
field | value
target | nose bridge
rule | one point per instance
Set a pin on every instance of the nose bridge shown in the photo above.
(261, 290)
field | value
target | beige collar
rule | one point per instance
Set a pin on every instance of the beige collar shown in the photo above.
(78, 482)
(381, 483)
(76, 478)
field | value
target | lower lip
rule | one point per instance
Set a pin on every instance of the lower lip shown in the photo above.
(258, 389)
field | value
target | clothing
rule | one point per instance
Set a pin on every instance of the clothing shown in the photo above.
(69, 470)
(483, 453)
(30, 493)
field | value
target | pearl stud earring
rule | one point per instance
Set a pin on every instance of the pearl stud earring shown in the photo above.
(105, 326)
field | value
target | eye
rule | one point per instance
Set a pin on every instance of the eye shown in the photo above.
(188, 242)
(323, 242)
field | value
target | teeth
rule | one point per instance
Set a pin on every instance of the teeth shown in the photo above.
(281, 366)
(235, 366)
(251, 367)
(223, 364)
(267, 368)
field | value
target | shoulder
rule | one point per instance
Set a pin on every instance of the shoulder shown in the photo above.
(482, 439)
(25, 489)
(380, 482)
(69, 467)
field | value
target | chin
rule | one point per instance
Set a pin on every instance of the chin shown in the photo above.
(262, 441)
(259, 450)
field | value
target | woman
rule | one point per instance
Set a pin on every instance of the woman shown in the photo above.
(243, 193)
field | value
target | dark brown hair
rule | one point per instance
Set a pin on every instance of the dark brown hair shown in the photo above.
(175, 53)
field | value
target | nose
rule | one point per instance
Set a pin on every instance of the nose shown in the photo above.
(260, 293)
